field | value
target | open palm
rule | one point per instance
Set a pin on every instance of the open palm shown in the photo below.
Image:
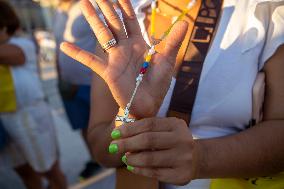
(120, 65)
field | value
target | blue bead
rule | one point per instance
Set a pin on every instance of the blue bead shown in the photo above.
(145, 64)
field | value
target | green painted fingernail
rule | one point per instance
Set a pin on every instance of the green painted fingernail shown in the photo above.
(123, 159)
(113, 148)
(115, 134)
(130, 168)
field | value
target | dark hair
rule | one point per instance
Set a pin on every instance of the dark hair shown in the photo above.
(8, 18)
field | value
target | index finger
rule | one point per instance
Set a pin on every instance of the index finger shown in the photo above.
(86, 58)
(143, 126)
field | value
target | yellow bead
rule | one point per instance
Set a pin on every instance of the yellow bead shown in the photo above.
(185, 11)
(148, 58)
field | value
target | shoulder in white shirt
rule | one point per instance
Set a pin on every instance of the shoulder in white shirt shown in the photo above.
(248, 34)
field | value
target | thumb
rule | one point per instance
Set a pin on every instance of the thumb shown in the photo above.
(175, 39)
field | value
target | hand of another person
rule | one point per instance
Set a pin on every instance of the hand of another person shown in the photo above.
(120, 65)
(161, 148)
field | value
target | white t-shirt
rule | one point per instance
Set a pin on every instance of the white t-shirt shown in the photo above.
(77, 31)
(26, 79)
(248, 34)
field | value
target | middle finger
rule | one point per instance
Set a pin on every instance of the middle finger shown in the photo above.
(101, 31)
(113, 20)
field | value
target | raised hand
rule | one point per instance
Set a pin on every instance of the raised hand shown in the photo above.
(119, 66)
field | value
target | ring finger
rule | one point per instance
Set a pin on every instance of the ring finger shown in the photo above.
(167, 175)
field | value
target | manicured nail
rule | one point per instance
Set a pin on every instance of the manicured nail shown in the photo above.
(113, 148)
(130, 168)
(123, 159)
(115, 134)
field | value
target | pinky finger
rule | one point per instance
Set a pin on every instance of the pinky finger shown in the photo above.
(86, 58)
(162, 174)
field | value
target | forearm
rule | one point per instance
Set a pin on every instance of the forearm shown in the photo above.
(11, 55)
(255, 152)
(103, 111)
(3, 60)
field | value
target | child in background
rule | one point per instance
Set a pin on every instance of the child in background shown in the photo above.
(30, 127)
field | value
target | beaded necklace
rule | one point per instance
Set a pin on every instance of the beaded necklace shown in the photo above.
(125, 118)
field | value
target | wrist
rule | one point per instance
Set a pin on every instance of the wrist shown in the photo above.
(199, 161)
(121, 114)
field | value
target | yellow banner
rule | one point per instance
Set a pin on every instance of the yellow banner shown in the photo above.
(8, 101)
(270, 182)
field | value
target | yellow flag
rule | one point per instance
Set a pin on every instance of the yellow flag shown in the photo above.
(8, 101)
(270, 182)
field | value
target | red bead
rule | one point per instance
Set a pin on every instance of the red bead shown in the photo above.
(143, 70)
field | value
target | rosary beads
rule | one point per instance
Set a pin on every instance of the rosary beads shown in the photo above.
(125, 117)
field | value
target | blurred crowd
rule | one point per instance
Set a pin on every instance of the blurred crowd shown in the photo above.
(30, 35)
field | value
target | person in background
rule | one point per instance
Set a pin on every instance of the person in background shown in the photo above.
(75, 79)
(30, 127)
(3, 136)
